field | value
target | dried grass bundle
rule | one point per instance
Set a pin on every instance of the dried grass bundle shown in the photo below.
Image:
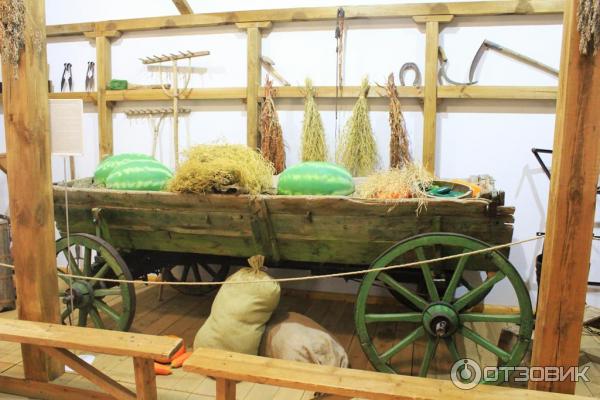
(358, 151)
(272, 147)
(12, 32)
(222, 169)
(314, 147)
(399, 147)
(408, 182)
(588, 25)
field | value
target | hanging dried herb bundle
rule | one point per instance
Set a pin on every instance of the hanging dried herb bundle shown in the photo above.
(272, 136)
(314, 147)
(358, 151)
(588, 25)
(12, 35)
(399, 148)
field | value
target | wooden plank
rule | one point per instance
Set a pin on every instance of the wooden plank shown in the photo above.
(524, 7)
(346, 92)
(432, 32)
(225, 389)
(339, 381)
(498, 92)
(26, 126)
(47, 391)
(145, 379)
(193, 94)
(183, 7)
(86, 370)
(567, 247)
(105, 123)
(90, 97)
(3, 162)
(88, 339)
(254, 69)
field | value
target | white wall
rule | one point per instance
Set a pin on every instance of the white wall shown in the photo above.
(474, 137)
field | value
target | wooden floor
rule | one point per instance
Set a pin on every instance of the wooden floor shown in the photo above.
(182, 315)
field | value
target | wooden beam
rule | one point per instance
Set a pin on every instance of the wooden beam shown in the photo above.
(497, 92)
(86, 370)
(95, 340)
(47, 391)
(145, 379)
(193, 94)
(254, 69)
(3, 162)
(344, 381)
(183, 7)
(571, 206)
(27, 128)
(316, 14)
(105, 123)
(432, 32)
(225, 389)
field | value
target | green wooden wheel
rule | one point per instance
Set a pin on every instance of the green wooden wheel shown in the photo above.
(443, 316)
(107, 305)
(196, 272)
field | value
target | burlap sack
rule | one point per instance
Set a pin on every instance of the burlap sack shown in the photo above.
(240, 311)
(295, 337)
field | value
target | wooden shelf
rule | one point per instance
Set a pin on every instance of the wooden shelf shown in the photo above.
(85, 96)
(346, 92)
(194, 94)
(498, 92)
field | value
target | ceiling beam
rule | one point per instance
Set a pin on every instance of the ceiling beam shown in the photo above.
(183, 6)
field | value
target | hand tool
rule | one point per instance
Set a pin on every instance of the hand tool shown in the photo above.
(487, 44)
(268, 64)
(67, 78)
(89, 76)
(442, 74)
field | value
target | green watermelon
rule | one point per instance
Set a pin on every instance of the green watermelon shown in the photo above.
(315, 178)
(109, 164)
(139, 175)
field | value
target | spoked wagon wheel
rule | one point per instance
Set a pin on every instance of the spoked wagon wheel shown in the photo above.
(107, 305)
(196, 272)
(442, 316)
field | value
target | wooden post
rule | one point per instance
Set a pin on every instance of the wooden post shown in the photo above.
(225, 389)
(145, 379)
(571, 207)
(432, 32)
(27, 129)
(253, 79)
(103, 77)
(183, 6)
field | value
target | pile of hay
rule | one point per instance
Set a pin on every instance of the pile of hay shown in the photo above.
(314, 147)
(222, 169)
(358, 151)
(408, 182)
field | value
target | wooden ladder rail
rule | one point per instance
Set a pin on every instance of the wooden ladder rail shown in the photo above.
(229, 368)
(54, 340)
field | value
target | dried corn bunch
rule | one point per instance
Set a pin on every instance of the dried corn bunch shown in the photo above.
(399, 148)
(314, 147)
(588, 25)
(272, 147)
(358, 151)
(12, 36)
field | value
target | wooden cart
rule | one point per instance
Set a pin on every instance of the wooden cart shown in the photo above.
(128, 234)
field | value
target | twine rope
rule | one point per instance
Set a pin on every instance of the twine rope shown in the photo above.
(300, 278)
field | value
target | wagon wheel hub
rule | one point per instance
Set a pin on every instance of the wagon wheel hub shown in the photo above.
(440, 320)
(80, 294)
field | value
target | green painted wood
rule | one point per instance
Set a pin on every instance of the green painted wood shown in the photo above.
(456, 305)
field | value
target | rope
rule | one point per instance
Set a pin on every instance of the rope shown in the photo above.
(299, 278)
